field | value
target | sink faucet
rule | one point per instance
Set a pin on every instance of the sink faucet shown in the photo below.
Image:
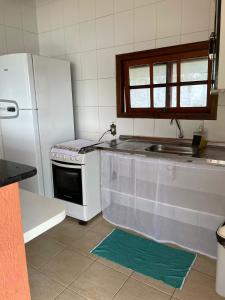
(181, 135)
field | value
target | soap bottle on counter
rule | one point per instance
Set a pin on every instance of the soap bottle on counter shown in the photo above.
(200, 138)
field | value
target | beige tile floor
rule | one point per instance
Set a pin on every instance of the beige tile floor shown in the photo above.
(60, 267)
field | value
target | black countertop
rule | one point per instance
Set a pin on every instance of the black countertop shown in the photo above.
(11, 172)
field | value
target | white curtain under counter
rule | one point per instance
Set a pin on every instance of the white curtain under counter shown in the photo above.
(175, 202)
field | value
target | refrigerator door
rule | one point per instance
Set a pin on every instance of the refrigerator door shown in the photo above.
(9, 109)
(20, 137)
(16, 80)
(55, 109)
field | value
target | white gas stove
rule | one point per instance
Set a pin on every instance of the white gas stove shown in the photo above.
(76, 178)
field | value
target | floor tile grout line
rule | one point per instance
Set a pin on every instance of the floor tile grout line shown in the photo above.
(154, 287)
(46, 263)
(70, 290)
(114, 269)
(85, 269)
(173, 294)
(77, 251)
(57, 281)
(129, 276)
(60, 293)
(209, 276)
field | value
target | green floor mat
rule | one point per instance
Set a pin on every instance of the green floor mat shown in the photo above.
(147, 257)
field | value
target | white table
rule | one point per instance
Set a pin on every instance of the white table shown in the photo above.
(39, 214)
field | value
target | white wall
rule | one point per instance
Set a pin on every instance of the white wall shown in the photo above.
(18, 26)
(90, 32)
(18, 30)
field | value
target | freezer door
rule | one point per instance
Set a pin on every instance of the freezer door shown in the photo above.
(16, 80)
(55, 109)
(20, 140)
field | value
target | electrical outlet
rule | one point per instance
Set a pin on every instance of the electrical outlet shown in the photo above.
(113, 129)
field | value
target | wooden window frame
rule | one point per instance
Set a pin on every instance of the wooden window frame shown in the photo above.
(164, 55)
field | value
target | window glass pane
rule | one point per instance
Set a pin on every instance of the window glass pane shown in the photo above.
(140, 98)
(174, 97)
(160, 97)
(139, 75)
(174, 72)
(194, 69)
(159, 73)
(193, 96)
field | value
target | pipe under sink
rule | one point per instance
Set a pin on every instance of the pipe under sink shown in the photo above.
(174, 149)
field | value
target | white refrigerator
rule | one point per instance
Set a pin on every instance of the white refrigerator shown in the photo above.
(36, 112)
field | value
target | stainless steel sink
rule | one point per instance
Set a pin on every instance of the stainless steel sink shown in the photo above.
(174, 149)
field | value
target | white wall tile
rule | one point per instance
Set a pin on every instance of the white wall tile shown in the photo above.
(164, 129)
(138, 25)
(107, 92)
(195, 37)
(123, 5)
(12, 13)
(70, 12)
(144, 127)
(104, 7)
(124, 28)
(45, 43)
(86, 10)
(106, 63)
(189, 126)
(3, 48)
(30, 42)
(86, 93)
(124, 49)
(105, 32)
(145, 23)
(1, 13)
(58, 42)
(29, 19)
(89, 65)
(43, 18)
(221, 100)
(169, 41)
(72, 38)
(216, 128)
(212, 15)
(168, 18)
(87, 36)
(107, 116)
(92, 136)
(87, 119)
(56, 14)
(41, 2)
(31, 3)
(148, 45)
(195, 15)
(138, 3)
(14, 40)
(125, 126)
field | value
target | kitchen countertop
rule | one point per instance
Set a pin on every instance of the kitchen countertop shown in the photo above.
(213, 154)
(11, 172)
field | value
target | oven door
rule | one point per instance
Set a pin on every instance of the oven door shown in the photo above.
(67, 182)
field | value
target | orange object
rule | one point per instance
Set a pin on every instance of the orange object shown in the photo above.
(14, 283)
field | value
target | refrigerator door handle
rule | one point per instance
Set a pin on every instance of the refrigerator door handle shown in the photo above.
(10, 106)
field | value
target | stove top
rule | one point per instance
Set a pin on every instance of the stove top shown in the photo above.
(72, 151)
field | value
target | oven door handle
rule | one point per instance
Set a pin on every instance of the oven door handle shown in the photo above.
(66, 166)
